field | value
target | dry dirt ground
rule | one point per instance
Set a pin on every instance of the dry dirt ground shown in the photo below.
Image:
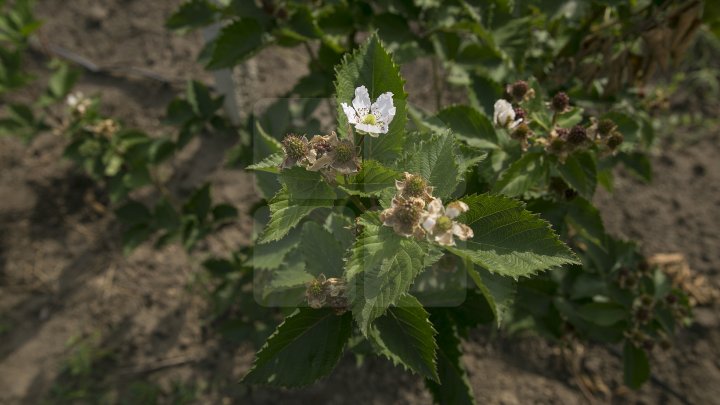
(76, 316)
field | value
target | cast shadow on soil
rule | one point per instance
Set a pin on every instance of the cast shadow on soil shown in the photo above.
(59, 205)
(68, 383)
(33, 312)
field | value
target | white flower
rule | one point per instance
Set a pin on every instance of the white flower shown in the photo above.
(375, 118)
(504, 115)
(78, 103)
(439, 225)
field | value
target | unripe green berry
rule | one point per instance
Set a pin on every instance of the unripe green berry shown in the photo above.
(295, 146)
(344, 152)
(415, 186)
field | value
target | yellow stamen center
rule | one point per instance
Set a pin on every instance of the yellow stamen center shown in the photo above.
(369, 120)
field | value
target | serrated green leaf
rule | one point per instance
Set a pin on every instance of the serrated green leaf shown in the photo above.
(135, 236)
(580, 172)
(371, 66)
(602, 313)
(132, 213)
(265, 145)
(637, 163)
(381, 268)
(372, 179)
(235, 43)
(160, 150)
(62, 80)
(570, 118)
(270, 255)
(434, 160)
(321, 251)
(291, 274)
(340, 226)
(455, 387)
(470, 125)
(303, 349)
(306, 187)
(468, 157)
(510, 240)
(192, 14)
(635, 366)
(200, 99)
(199, 203)
(524, 174)
(499, 291)
(166, 216)
(270, 164)
(406, 336)
(586, 221)
(222, 213)
(285, 215)
(484, 92)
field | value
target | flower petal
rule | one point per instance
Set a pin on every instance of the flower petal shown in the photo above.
(383, 108)
(503, 113)
(429, 223)
(435, 207)
(445, 239)
(372, 130)
(455, 208)
(462, 231)
(361, 102)
(350, 113)
(321, 163)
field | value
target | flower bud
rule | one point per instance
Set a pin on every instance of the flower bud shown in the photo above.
(518, 90)
(606, 127)
(521, 132)
(295, 147)
(519, 113)
(560, 102)
(557, 143)
(642, 315)
(577, 135)
(614, 140)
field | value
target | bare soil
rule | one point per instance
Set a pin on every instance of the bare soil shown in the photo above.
(141, 322)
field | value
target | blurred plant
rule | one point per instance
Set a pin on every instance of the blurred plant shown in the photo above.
(25, 120)
(78, 377)
(127, 159)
